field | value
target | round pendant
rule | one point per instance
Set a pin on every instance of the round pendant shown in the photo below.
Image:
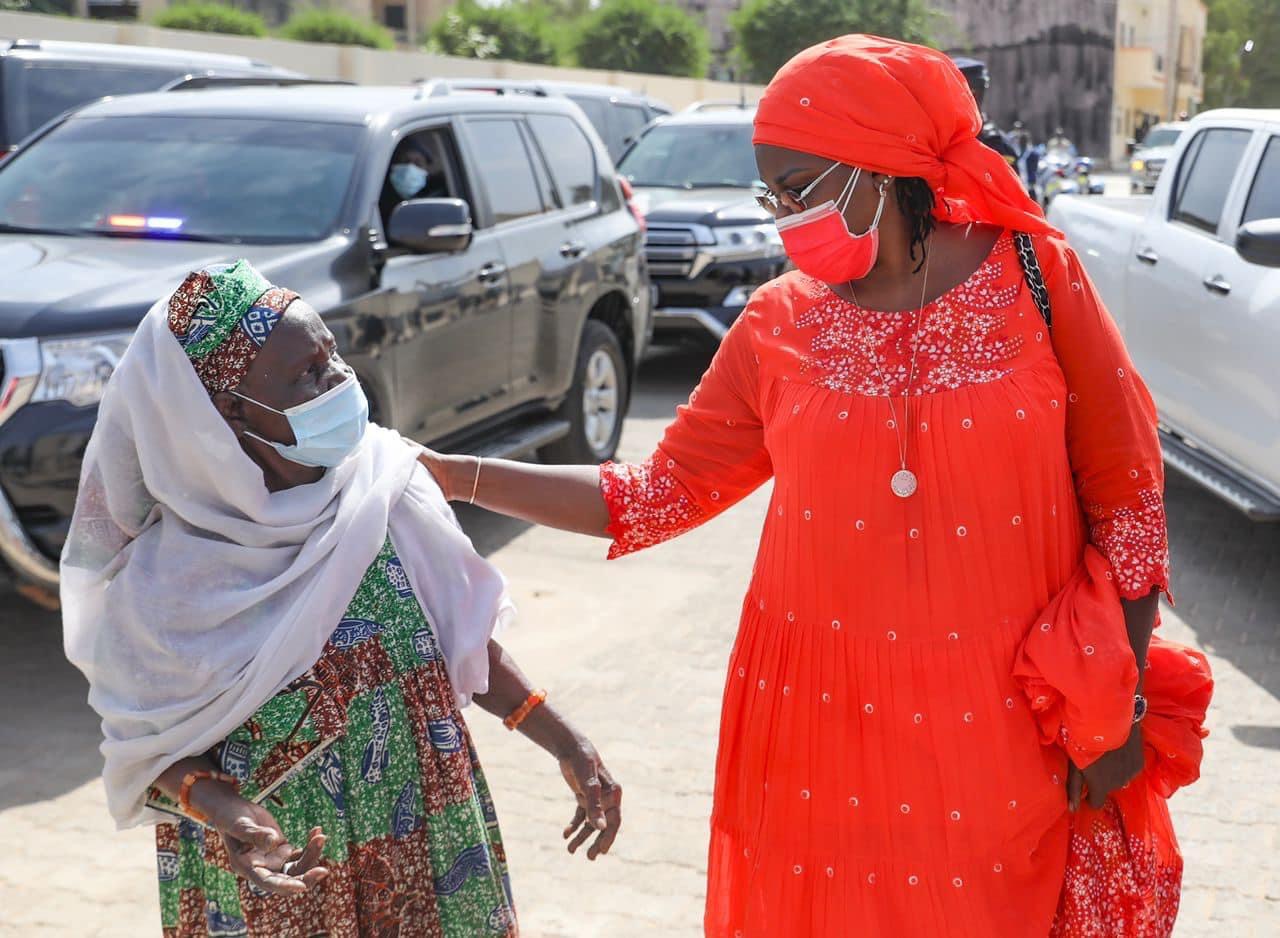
(903, 483)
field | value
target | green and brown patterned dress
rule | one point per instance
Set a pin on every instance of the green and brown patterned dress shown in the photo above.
(370, 746)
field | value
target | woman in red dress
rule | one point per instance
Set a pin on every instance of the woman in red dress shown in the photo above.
(934, 711)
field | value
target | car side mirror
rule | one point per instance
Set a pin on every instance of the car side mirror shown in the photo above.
(1259, 242)
(431, 226)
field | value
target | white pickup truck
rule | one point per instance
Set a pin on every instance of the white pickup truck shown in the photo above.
(1192, 276)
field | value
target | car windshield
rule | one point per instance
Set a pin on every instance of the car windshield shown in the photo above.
(693, 156)
(37, 91)
(1162, 137)
(233, 180)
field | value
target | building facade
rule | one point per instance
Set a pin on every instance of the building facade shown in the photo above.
(715, 16)
(1052, 64)
(1159, 59)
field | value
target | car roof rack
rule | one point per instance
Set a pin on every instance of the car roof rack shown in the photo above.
(214, 80)
(440, 87)
(720, 104)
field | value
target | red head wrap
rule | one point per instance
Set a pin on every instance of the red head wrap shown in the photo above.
(899, 109)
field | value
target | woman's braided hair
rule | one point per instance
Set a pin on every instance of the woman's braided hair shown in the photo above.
(915, 201)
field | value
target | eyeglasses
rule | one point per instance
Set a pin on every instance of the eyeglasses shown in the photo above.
(791, 200)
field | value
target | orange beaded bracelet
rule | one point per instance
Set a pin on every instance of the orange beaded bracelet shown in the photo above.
(184, 793)
(521, 712)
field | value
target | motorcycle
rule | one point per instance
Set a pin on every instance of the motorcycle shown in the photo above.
(1063, 172)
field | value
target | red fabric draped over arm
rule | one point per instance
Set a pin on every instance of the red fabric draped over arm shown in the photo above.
(711, 456)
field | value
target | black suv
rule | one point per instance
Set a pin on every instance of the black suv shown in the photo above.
(505, 314)
(40, 79)
(709, 244)
(618, 115)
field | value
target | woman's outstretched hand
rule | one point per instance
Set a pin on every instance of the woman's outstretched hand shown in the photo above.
(258, 851)
(442, 469)
(599, 799)
(1109, 773)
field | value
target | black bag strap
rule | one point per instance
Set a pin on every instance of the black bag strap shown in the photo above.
(1035, 279)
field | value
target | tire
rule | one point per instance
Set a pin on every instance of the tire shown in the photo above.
(596, 402)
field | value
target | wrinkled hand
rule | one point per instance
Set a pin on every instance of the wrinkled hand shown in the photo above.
(258, 851)
(599, 801)
(1111, 772)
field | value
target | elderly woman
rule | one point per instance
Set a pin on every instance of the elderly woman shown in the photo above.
(945, 644)
(280, 620)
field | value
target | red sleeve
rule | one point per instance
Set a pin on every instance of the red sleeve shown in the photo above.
(712, 456)
(1112, 436)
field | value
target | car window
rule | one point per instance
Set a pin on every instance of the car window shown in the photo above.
(631, 120)
(693, 156)
(597, 111)
(1161, 137)
(236, 180)
(570, 155)
(36, 92)
(1207, 172)
(503, 168)
(433, 152)
(1264, 197)
(551, 197)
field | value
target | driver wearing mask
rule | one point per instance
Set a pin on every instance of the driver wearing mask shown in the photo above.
(415, 174)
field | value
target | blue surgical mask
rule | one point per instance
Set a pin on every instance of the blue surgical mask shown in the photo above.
(326, 429)
(407, 179)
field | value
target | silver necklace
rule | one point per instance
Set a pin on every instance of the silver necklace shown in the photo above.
(903, 482)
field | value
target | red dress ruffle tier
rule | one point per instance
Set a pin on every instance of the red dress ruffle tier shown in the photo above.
(910, 675)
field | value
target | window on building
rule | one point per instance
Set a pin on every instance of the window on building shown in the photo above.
(393, 17)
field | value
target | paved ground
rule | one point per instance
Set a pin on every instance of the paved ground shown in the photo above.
(635, 651)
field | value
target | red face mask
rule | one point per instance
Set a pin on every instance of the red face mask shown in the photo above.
(819, 242)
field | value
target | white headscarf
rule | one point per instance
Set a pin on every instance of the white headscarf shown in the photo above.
(191, 594)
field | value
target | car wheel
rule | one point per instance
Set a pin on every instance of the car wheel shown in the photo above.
(596, 401)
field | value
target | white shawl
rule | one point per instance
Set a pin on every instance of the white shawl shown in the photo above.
(191, 594)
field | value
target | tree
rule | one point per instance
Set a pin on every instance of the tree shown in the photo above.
(769, 32)
(341, 29)
(642, 36)
(521, 32)
(1233, 76)
(211, 18)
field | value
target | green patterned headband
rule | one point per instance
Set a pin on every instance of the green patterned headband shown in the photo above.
(222, 317)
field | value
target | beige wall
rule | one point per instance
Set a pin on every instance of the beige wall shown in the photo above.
(1159, 59)
(361, 65)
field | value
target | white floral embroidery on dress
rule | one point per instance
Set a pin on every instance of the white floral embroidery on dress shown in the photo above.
(1135, 539)
(962, 338)
(647, 504)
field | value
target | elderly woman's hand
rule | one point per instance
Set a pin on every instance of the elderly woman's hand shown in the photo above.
(258, 851)
(1109, 773)
(599, 800)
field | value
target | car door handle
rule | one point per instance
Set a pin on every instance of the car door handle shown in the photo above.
(1216, 284)
(491, 272)
(1148, 256)
(573, 249)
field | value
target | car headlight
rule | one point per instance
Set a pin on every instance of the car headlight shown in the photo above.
(1138, 165)
(748, 238)
(77, 370)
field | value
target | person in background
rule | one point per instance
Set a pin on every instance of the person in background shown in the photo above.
(944, 687)
(415, 173)
(1061, 143)
(280, 621)
(979, 80)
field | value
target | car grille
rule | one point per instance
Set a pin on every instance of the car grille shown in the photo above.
(670, 250)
